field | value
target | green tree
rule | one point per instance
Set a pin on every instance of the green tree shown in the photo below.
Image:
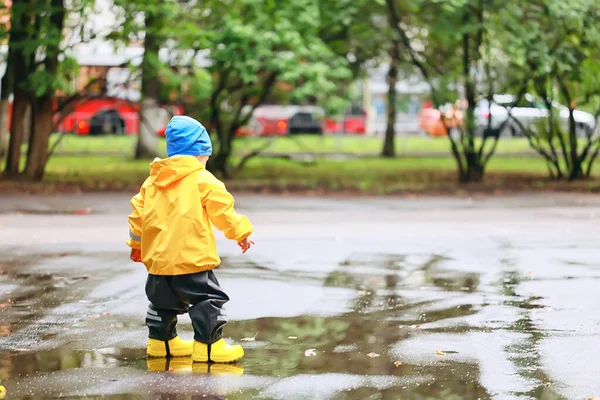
(554, 48)
(34, 73)
(453, 46)
(252, 51)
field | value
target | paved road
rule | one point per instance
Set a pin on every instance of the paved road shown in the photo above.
(400, 298)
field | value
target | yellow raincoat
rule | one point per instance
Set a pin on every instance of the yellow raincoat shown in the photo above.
(172, 216)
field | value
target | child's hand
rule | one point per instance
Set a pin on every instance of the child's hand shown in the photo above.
(136, 255)
(245, 244)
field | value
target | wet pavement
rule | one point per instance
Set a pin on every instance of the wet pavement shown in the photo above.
(399, 298)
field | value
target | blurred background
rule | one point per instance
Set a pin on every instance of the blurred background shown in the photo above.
(372, 96)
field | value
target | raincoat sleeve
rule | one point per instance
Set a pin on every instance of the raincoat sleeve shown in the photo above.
(219, 203)
(135, 220)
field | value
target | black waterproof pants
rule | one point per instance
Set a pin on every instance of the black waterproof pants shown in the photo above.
(199, 294)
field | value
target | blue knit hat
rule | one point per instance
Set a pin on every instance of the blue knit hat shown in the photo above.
(187, 137)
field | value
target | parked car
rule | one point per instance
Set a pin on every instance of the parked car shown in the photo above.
(281, 120)
(354, 120)
(528, 112)
(108, 115)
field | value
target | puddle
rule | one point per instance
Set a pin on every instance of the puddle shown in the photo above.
(428, 324)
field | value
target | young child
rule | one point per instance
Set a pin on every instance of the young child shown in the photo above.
(171, 232)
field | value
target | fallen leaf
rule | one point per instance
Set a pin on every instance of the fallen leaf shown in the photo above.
(440, 353)
(310, 353)
(2, 392)
(293, 337)
(249, 339)
(397, 363)
(171, 369)
(373, 355)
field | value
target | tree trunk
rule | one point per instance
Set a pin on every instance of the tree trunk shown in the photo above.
(576, 168)
(6, 88)
(41, 124)
(17, 123)
(474, 171)
(219, 163)
(41, 114)
(389, 149)
(18, 32)
(17, 128)
(474, 168)
(4, 133)
(147, 145)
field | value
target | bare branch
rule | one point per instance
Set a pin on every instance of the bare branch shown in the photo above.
(533, 140)
(66, 106)
(235, 170)
(395, 25)
(454, 147)
(592, 160)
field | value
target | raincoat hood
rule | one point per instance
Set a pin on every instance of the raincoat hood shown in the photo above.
(165, 172)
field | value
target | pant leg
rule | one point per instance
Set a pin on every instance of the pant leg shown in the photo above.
(161, 317)
(206, 298)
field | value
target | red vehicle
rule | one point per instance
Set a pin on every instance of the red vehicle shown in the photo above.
(105, 115)
(353, 124)
(281, 120)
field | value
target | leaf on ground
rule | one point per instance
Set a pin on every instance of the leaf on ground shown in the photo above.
(397, 363)
(2, 392)
(310, 353)
(249, 339)
(440, 353)
(293, 337)
(373, 355)
(171, 369)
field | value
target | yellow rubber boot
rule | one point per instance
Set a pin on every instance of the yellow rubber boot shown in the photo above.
(220, 352)
(177, 347)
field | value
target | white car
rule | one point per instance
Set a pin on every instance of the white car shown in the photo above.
(528, 112)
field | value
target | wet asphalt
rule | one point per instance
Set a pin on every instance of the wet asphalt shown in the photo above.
(400, 298)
